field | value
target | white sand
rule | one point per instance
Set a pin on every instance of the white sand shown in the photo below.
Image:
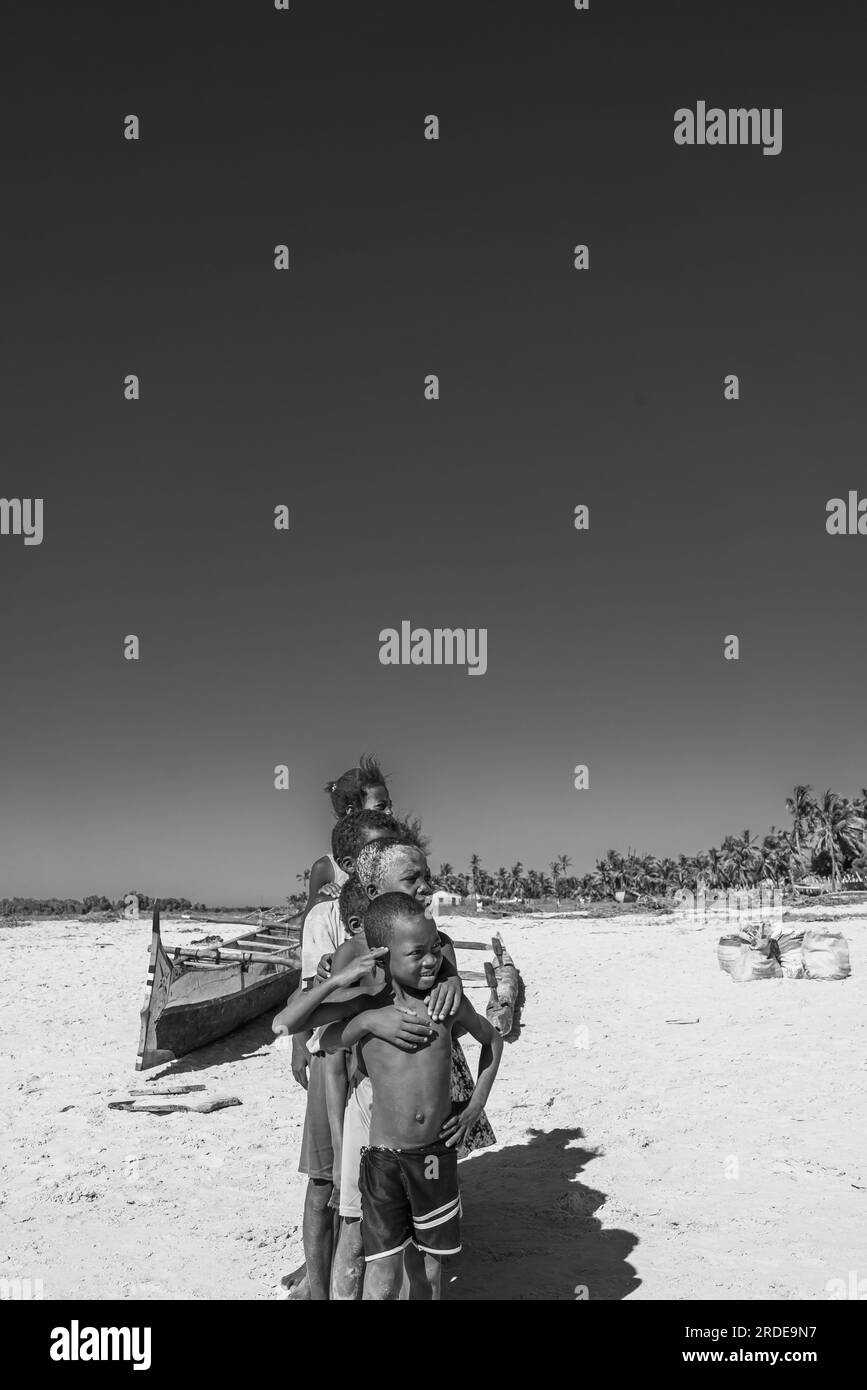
(617, 1154)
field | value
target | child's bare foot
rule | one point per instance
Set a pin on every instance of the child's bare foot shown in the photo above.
(296, 1284)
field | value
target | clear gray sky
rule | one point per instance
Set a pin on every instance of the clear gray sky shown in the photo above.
(306, 388)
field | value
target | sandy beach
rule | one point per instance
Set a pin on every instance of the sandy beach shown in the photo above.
(662, 1132)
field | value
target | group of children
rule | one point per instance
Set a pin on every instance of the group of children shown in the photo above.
(391, 1105)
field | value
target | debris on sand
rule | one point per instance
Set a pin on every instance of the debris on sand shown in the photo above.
(155, 1105)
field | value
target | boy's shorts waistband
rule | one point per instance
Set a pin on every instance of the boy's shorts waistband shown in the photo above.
(436, 1146)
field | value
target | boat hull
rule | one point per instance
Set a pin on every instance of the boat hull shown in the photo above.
(188, 1004)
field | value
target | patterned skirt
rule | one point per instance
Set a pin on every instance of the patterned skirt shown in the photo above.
(481, 1136)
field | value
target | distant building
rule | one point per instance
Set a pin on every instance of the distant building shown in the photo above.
(442, 901)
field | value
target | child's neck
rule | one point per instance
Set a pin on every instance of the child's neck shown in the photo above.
(404, 994)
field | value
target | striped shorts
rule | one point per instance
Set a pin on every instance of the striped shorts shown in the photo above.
(410, 1195)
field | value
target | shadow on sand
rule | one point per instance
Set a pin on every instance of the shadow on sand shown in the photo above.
(529, 1227)
(239, 1046)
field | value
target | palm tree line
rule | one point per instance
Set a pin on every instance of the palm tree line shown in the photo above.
(827, 838)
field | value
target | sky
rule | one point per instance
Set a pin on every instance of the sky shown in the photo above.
(305, 388)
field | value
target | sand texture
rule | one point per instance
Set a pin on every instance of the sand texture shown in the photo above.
(640, 1154)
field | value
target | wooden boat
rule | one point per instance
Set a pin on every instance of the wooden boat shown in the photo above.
(195, 995)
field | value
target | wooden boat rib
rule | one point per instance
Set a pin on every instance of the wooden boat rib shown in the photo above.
(502, 981)
(196, 995)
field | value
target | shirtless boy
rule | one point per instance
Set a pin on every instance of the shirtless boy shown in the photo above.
(383, 866)
(409, 1172)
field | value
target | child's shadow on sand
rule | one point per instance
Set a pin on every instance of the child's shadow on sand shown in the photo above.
(529, 1229)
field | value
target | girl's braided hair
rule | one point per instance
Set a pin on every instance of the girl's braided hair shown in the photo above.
(347, 792)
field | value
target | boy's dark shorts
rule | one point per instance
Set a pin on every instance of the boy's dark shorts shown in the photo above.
(410, 1195)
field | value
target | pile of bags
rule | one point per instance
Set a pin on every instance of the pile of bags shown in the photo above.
(766, 952)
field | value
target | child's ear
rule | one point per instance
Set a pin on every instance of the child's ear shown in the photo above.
(347, 863)
(355, 925)
(370, 890)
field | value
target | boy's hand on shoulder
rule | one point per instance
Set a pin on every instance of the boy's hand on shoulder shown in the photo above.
(358, 967)
(454, 1129)
(300, 1060)
(329, 890)
(401, 1027)
(445, 998)
(323, 969)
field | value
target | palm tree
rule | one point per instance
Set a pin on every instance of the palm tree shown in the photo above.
(790, 862)
(610, 872)
(834, 828)
(651, 874)
(741, 859)
(476, 872)
(667, 873)
(701, 864)
(840, 831)
(801, 806)
(860, 806)
(771, 855)
(684, 874)
(514, 881)
(601, 880)
(446, 876)
(715, 871)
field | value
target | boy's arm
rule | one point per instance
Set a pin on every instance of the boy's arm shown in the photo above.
(321, 879)
(401, 1027)
(335, 959)
(456, 1126)
(331, 1038)
(300, 1055)
(307, 1008)
(344, 1034)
